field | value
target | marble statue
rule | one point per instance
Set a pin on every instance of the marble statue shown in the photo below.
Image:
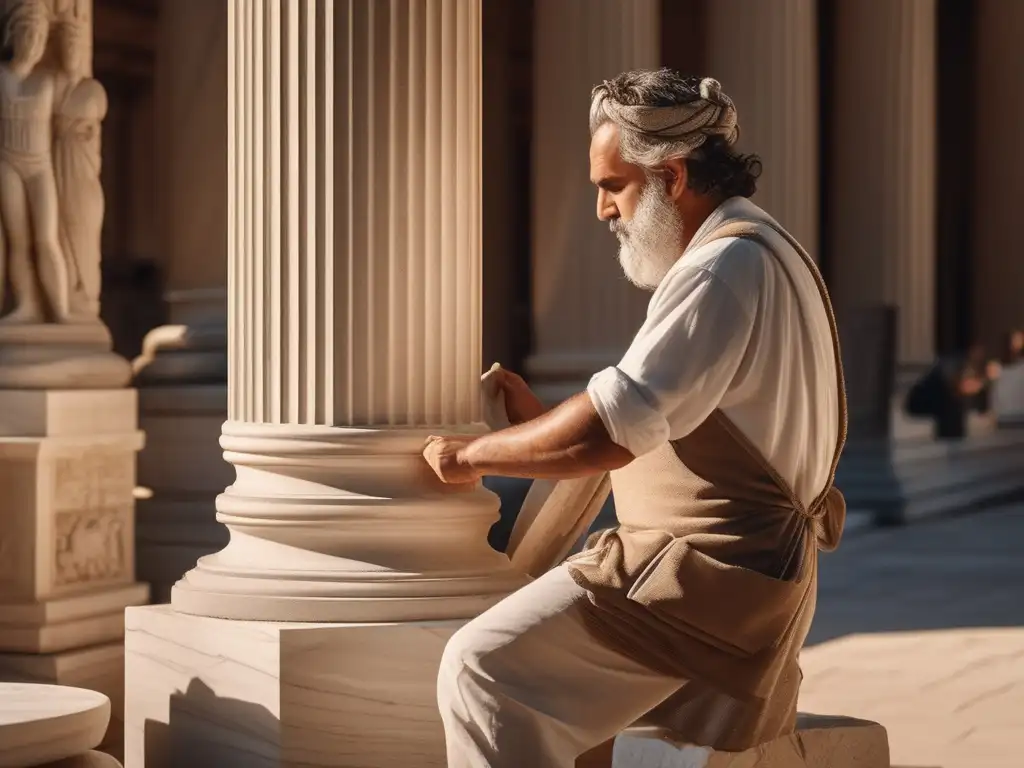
(51, 202)
(34, 264)
(51, 216)
(80, 108)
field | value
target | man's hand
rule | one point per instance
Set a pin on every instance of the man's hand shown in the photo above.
(445, 456)
(521, 404)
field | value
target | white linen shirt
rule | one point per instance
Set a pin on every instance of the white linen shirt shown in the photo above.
(726, 329)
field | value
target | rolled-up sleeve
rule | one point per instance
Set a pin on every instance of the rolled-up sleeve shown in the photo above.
(680, 365)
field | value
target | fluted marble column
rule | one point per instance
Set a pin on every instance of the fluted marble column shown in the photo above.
(354, 316)
(182, 371)
(584, 311)
(998, 268)
(883, 203)
(765, 56)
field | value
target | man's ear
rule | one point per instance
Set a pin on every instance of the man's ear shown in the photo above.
(675, 178)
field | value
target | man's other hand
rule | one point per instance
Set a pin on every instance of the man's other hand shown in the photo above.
(521, 404)
(445, 457)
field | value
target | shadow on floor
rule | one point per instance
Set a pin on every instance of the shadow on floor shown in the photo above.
(950, 573)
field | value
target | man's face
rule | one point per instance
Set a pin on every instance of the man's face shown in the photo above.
(638, 210)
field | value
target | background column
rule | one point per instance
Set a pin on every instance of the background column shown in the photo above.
(884, 142)
(765, 55)
(182, 372)
(584, 310)
(998, 272)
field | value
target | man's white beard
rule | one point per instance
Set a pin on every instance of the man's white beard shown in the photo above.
(651, 242)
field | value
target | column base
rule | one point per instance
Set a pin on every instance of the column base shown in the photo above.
(98, 668)
(334, 524)
(242, 694)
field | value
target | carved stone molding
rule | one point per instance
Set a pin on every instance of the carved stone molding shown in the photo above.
(331, 524)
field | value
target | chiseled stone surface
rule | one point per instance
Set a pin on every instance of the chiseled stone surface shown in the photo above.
(249, 694)
(819, 742)
(43, 723)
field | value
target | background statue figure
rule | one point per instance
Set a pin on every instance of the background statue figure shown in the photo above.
(81, 105)
(28, 193)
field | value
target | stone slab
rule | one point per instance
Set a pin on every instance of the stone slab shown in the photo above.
(51, 356)
(63, 413)
(98, 668)
(64, 623)
(819, 742)
(44, 723)
(247, 694)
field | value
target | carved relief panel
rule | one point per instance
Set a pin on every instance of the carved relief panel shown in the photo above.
(66, 520)
(92, 518)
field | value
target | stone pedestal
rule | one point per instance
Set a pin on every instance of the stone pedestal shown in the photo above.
(245, 694)
(55, 356)
(584, 310)
(67, 561)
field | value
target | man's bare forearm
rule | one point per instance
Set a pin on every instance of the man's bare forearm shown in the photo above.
(567, 441)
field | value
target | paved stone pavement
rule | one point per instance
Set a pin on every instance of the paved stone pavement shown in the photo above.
(922, 629)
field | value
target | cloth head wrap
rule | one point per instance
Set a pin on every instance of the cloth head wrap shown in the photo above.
(689, 124)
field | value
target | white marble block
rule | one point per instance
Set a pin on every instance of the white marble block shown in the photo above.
(248, 694)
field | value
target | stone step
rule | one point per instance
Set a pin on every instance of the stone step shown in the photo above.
(909, 481)
(820, 741)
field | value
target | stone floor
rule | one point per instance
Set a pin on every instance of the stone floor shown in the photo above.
(922, 629)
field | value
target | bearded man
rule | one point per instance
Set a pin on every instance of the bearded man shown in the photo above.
(721, 426)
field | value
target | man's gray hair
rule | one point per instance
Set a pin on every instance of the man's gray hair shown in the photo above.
(662, 115)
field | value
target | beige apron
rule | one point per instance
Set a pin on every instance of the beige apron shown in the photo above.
(712, 574)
